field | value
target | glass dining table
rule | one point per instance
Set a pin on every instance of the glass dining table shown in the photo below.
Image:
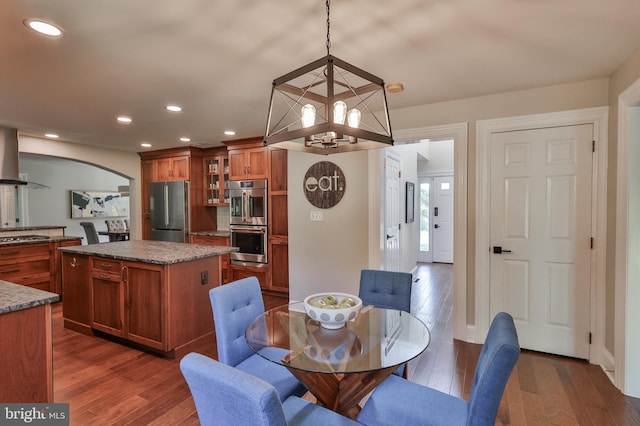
(339, 367)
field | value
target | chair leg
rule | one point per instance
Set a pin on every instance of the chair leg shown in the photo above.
(405, 374)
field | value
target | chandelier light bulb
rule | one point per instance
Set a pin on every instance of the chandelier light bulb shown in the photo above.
(308, 115)
(339, 112)
(354, 118)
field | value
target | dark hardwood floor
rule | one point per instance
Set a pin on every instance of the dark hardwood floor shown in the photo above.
(107, 383)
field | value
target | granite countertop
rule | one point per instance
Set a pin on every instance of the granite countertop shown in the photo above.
(24, 240)
(15, 297)
(146, 251)
(30, 228)
(220, 233)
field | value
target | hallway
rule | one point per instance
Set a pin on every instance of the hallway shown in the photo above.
(542, 390)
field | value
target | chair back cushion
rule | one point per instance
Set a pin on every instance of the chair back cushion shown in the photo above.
(386, 289)
(115, 225)
(234, 306)
(90, 230)
(497, 359)
(225, 395)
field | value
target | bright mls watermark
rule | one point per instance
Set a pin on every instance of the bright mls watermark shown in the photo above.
(34, 414)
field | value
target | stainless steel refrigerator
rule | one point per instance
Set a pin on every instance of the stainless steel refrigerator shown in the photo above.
(170, 211)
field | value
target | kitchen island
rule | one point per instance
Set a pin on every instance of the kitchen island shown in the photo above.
(26, 357)
(149, 293)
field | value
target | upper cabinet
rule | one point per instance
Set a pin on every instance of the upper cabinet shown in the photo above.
(248, 159)
(216, 180)
(177, 164)
(172, 168)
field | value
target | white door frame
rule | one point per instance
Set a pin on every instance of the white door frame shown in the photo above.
(459, 133)
(627, 288)
(484, 128)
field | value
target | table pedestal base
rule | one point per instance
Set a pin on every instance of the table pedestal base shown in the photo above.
(341, 392)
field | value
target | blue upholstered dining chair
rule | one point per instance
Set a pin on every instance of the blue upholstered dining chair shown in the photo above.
(387, 289)
(234, 306)
(400, 402)
(225, 395)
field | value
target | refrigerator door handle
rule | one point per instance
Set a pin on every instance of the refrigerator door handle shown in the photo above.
(166, 205)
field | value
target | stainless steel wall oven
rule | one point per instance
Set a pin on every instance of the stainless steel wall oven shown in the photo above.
(248, 222)
(252, 241)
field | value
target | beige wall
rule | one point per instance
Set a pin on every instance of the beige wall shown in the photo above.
(126, 164)
(586, 94)
(328, 255)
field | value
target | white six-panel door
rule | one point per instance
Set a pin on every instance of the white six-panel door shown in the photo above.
(392, 213)
(540, 235)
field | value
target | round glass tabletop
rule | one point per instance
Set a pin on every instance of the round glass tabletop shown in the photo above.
(376, 339)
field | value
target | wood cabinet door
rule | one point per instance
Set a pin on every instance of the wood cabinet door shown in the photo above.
(279, 260)
(237, 166)
(257, 163)
(277, 170)
(164, 169)
(107, 302)
(145, 305)
(180, 168)
(76, 288)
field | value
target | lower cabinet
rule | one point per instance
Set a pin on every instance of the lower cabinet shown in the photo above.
(163, 307)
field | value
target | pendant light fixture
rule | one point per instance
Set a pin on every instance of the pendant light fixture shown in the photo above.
(328, 106)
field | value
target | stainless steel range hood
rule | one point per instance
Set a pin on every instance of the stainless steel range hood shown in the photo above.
(9, 169)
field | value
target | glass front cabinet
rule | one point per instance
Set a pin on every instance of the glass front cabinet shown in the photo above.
(216, 180)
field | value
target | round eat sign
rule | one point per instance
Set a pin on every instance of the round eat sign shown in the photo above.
(324, 184)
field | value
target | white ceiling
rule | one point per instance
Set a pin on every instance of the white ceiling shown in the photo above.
(217, 59)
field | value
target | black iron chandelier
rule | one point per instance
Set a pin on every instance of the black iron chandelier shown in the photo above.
(328, 106)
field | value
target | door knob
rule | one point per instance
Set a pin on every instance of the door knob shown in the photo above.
(500, 250)
(436, 226)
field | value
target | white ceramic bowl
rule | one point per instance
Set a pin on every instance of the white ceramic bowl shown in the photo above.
(332, 318)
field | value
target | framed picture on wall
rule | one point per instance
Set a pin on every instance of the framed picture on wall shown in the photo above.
(97, 204)
(410, 202)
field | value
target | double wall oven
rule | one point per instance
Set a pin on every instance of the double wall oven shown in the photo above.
(248, 222)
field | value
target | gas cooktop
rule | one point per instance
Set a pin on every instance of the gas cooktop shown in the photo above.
(15, 238)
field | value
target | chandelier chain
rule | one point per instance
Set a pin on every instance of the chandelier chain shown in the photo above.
(328, 28)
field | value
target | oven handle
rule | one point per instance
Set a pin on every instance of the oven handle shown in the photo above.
(250, 229)
(245, 206)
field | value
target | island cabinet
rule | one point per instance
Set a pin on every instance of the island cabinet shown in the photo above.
(31, 265)
(162, 303)
(34, 265)
(26, 358)
(127, 300)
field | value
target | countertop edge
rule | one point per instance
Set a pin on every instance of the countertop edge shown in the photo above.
(16, 297)
(155, 252)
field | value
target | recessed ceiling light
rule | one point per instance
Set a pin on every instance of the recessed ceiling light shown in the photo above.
(185, 139)
(145, 145)
(52, 135)
(124, 119)
(395, 87)
(43, 27)
(173, 108)
(229, 133)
